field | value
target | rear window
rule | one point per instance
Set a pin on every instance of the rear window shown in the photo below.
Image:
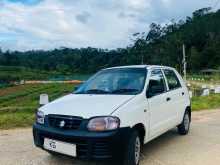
(172, 79)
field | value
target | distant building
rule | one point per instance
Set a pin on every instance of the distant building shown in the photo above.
(210, 71)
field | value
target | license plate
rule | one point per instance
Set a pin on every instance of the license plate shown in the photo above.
(60, 147)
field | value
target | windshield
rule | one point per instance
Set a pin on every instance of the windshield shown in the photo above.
(127, 81)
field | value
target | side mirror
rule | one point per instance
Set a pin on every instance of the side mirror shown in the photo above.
(153, 91)
(149, 94)
(44, 99)
(76, 88)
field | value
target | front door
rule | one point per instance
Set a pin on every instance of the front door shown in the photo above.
(158, 103)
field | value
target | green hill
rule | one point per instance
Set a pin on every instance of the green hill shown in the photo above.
(12, 73)
(161, 45)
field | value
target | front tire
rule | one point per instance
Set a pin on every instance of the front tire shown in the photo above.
(133, 151)
(184, 127)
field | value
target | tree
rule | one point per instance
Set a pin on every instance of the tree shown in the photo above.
(162, 45)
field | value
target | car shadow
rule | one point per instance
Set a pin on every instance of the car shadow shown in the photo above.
(159, 142)
(148, 149)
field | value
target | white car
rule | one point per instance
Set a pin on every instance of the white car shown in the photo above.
(114, 113)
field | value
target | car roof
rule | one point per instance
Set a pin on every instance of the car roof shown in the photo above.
(141, 66)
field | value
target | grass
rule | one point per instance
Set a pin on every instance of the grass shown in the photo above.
(18, 104)
(17, 118)
(206, 102)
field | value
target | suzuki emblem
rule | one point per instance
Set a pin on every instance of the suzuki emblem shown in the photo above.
(62, 123)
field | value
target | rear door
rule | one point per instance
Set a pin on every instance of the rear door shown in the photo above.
(176, 94)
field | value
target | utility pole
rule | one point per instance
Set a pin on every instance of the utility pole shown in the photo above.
(184, 62)
(142, 59)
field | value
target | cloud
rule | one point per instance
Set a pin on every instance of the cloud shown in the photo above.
(48, 24)
(83, 17)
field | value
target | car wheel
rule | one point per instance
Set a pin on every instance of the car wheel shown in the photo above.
(184, 127)
(133, 151)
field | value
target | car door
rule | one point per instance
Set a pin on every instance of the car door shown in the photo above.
(177, 96)
(158, 103)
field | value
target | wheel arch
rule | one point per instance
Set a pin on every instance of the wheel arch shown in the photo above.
(141, 131)
(188, 109)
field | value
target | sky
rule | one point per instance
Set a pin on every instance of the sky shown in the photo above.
(48, 24)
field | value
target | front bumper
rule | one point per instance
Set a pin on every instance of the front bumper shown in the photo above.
(89, 145)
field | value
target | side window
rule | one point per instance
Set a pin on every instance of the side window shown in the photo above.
(156, 84)
(172, 79)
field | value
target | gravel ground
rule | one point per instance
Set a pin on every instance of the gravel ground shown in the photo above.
(201, 146)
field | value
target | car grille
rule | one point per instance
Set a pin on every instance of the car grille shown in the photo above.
(101, 149)
(64, 122)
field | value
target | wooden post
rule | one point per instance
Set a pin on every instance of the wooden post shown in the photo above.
(184, 62)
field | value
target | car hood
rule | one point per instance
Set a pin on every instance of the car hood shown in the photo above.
(85, 105)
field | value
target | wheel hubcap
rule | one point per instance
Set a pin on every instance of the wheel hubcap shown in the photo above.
(186, 122)
(137, 149)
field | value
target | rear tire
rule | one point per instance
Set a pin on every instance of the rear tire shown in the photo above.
(184, 127)
(133, 150)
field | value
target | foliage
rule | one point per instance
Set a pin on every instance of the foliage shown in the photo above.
(17, 73)
(206, 102)
(161, 45)
(18, 104)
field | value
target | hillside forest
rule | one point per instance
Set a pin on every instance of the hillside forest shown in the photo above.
(161, 45)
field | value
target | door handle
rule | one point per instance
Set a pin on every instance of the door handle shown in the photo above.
(168, 99)
(183, 93)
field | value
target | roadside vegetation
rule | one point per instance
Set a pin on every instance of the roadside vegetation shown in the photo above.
(206, 102)
(18, 104)
(211, 79)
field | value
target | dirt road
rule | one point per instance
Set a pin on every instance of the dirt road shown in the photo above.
(201, 146)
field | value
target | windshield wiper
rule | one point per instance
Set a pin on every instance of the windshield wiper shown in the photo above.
(96, 91)
(118, 91)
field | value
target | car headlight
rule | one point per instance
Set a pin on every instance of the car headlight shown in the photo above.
(40, 117)
(103, 123)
